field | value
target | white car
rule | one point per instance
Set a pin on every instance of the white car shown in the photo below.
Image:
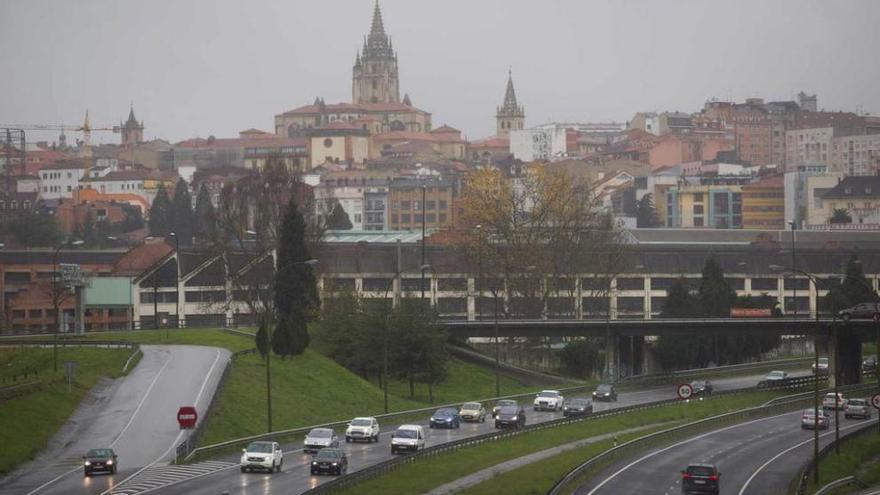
(776, 376)
(829, 403)
(550, 400)
(266, 456)
(408, 438)
(319, 438)
(366, 428)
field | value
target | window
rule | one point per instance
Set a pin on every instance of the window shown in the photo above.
(698, 222)
(405, 205)
(698, 198)
(431, 218)
(430, 204)
(328, 143)
(417, 218)
(698, 209)
(442, 205)
(442, 217)
(405, 218)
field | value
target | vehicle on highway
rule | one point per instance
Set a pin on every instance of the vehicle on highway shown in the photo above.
(776, 376)
(365, 428)
(577, 407)
(808, 420)
(501, 403)
(862, 310)
(408, 438)
(829, 401)
(510, 417)
(331, 461)
(857, 408)
(869, 365)
(265, 456)
(100, 460)
(701, 387)
(320, 438)
(473, 411)
(700, 478)
(549, 400)
(605, 392)
(446, 417)
(823, 366)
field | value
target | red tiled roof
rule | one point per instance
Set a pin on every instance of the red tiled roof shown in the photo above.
(417, 136)
(65, 165)
(140, 258)
(251, 141)
(443, 129)
(353, 108)
(776, 181)
(491, 142)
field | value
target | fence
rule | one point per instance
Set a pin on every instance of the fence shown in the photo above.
(718, 370)
(631, 448)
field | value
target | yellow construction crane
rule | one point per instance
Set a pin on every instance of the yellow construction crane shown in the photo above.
(86, 128)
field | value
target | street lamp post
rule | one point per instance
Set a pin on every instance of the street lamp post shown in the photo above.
(480, 280)
(814, 281)
(176, 280)
(56, 296)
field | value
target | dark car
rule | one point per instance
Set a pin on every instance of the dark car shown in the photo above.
(510, 417)
(100, 460)
(701, 387)
(863, 310)
(445, 418)
(577, 407)
(700, 478)
(329, 460)
(501, 403)
(869, 365)
(605, 393)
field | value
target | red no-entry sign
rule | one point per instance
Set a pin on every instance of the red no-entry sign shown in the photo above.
(187, 417)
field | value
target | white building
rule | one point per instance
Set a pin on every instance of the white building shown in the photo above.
(856, 155)
(60, 179)
(808, 147)
(803, 193)
(539, 143)
(351, 198)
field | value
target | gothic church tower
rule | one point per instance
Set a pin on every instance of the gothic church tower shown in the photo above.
(510, 116)
(132, 130)
(374, 75)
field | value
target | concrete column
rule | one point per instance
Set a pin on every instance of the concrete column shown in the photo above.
(647, 303)
(579, 299)
(79, 312)
(612, 299)
(611, 356)
(181, 304)
(845, 355)
(471, 299)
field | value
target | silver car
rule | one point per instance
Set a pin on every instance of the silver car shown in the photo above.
(857, 408)
(318, 439)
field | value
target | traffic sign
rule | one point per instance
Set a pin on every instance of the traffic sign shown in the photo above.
(685, 391)
(875, 401)
(187, 417)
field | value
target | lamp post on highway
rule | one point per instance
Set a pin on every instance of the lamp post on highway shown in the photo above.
(877, 343)
(176, 282)
(56, 296)
(813, 279)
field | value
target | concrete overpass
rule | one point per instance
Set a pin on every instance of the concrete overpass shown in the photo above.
(844, 339)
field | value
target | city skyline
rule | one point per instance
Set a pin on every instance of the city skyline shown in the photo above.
(188, 77)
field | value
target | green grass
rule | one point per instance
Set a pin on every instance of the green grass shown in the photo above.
(424, 475)
(858, 457)
(207, 337)
(30, 420)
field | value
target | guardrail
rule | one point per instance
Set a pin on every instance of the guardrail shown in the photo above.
(628, 449)
(847, 481)
(698, 372)
(806, 472)
(391, 464)
(468, 354)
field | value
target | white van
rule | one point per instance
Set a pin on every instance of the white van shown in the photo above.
(408, 438)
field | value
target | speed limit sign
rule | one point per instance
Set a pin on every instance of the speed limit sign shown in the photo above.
(685, 391)
(875, 401)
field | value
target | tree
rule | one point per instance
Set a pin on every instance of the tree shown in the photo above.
(646, 213)
(160, 213)
(33, 230)
(714, 295)
(205, 219)
(582, 358)
(262, 338)
(338, 219)
(679, 301)
(854, 289)
(182, 214)
(681, 351)
(296, 293)
(840, 215)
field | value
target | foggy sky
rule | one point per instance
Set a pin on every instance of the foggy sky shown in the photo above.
(199, 68)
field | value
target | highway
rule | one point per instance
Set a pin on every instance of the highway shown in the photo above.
(135, 415)
(295, 477)
(758, 457)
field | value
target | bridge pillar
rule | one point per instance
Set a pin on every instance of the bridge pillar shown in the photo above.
(612, 356)
(844, 358)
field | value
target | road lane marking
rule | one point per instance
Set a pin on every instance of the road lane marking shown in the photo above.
(179, 435)
(683, 442)
(777, 456)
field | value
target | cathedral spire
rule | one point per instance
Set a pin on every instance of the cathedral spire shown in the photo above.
(131, 120)
(377, 29)
(510, 93)
(511, 115)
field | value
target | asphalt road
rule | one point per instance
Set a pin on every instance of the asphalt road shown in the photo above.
(295, 476)
(135, 415)
(759, 457)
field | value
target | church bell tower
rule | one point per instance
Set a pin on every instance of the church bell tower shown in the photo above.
(374, 75)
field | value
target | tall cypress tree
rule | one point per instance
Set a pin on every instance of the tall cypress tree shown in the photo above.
(160, 214)
(296, 293)
(205, 219)
(182, 214)
(715, 295)
(646, 213)
(338, 219)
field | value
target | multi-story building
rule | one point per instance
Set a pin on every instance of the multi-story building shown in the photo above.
(339, 142)
(751, 124)
(856, 155)
(715, 203)
(645, 121)
(674, 149)
(410, 199)
(542, 143)
(250, 150)
(61, 178)
(446, 141)
(859, 197)
(808, 146)
(763, 204)
(675, 123)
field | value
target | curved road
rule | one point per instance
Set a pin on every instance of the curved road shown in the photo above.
(295, 477)
(135, 415)
(758, 457)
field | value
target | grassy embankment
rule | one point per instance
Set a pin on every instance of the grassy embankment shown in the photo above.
(859, 456)
(424, 475)
(29, 419)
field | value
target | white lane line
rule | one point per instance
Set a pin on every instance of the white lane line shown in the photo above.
(777, 456)
(683, 442)
(138, 408)
(179, 435)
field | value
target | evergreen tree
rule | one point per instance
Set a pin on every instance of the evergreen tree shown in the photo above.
(856, 288)
(715, 295)
(205, 217)
(89, 233)
(338, 219)
(679, 301)
(840, 215)
(182, 214)
(646, 213)
(296, 293)
(160, 214)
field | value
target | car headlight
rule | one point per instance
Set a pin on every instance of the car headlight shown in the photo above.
(334, 464)
(110, 462)
(314, 463)
(88, 463)
(432, 418)
(513, 418)
(607, 394)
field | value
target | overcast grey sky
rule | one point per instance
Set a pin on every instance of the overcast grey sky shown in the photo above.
(196, 68)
